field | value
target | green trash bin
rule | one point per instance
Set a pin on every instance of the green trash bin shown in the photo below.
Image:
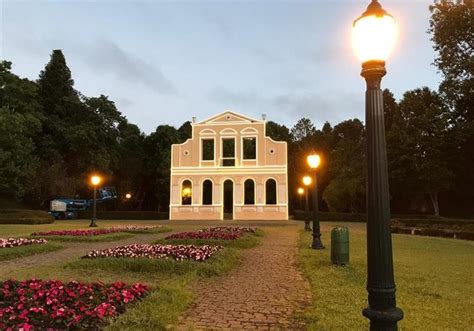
(340, 245)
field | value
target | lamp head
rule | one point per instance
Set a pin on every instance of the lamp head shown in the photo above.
(95, 180)
(300, 190)
(314, 160)
(307, 180)
(128, 196)
(374, 34)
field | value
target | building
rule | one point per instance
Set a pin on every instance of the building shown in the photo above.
(229, 169)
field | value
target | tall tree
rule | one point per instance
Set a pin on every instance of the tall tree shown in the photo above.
(304, 128)
(417, 146)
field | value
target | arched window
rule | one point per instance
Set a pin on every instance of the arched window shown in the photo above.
(271, 192)
(186, 192)
(207, 192)
(249, 192)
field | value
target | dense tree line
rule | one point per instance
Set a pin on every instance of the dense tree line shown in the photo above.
(52, 137)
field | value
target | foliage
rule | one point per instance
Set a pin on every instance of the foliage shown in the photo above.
(17, 242)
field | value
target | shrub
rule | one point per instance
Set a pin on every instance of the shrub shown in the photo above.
(229, 229)
(126, 215)
(24, 216)
(205, 235)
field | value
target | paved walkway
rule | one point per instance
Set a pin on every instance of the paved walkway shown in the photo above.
(72, 250)
(264, 292)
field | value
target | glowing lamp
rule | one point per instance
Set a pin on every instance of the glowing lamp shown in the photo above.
(374, 34)
(128, 196)
(300, 191)
(307, 180)
(95, 180)
(186, 192)
(313, 161)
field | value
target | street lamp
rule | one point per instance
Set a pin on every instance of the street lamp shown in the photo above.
(302, 191)
(314, 160)
(307, 182)
(95, 180)
(128, 196)
(373, 37)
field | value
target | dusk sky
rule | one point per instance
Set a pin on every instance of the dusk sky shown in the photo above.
(164, 62)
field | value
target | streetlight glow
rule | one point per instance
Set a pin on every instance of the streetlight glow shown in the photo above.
(374, 34)
(300, 190)
(314, 160)
(95, 180)
(128, 196)
(307, 180)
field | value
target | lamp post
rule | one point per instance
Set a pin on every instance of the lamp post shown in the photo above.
(302, 191)
(128, 196)
(95, 180)
(307, 182)
(373, 37)
(314, 160)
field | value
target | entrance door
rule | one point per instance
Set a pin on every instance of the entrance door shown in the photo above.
(228, 200)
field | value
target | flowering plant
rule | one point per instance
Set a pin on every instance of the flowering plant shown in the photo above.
(176, 252)
(136, 227)
(15, 242)
(229, 229)
(95, 232)
(33, 303)
(205, 235)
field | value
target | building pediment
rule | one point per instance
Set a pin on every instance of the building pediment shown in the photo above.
(229, 117)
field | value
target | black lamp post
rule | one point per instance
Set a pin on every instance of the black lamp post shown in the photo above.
(313, 161)
(307, 182)
(374, 35)
(95, 180)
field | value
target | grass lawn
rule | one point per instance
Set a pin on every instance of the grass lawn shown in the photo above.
(434, 278)
(17, 230)
(169, 280)
(21, 251)
(248, 240)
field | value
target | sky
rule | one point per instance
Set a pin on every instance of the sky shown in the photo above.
(163, 62)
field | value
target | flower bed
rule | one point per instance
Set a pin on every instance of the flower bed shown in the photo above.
(205, 235)
(230, 229)
(39, 304)
(77, 233)
(176, 252)
(136, 227)
(15, 242)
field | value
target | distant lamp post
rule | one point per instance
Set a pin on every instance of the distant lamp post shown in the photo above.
(302, 191)
(314, 160)
(373, 38)
(128, 196)
(307, 182)
(95, 180)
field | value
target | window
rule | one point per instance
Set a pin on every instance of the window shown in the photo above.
(228, 152)
(207, 192)
(249, 192)
(271, 192)
(207, 149)
(186, 192)
(250, 148)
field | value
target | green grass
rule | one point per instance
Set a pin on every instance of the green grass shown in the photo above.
(433, 277)
(21, 251)
(151, 231)
(249, 240)
(98, 238)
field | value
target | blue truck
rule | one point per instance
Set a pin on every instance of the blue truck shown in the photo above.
(66, 208)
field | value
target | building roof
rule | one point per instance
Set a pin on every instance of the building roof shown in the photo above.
(229, 117)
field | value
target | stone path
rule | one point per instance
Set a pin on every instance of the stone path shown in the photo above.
(72, 250)
(264, 292)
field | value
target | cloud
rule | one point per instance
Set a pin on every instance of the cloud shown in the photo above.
(107, 56)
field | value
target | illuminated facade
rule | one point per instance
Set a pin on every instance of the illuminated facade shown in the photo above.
(229, 169)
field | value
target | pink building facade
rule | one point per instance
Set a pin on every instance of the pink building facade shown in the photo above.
(229, 169)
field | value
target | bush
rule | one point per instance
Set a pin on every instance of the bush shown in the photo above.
(431, 232)
(126, 215)
(25, 216)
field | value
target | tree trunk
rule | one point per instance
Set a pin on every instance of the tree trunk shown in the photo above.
(434, 201)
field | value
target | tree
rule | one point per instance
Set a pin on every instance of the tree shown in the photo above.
(277, 132)
(417, 146)
(452, 33)
(185, 131)
(304, 128)
(346, 190)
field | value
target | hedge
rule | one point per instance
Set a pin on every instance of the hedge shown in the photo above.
(444, 233)
(126, 215)
(25, 216)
